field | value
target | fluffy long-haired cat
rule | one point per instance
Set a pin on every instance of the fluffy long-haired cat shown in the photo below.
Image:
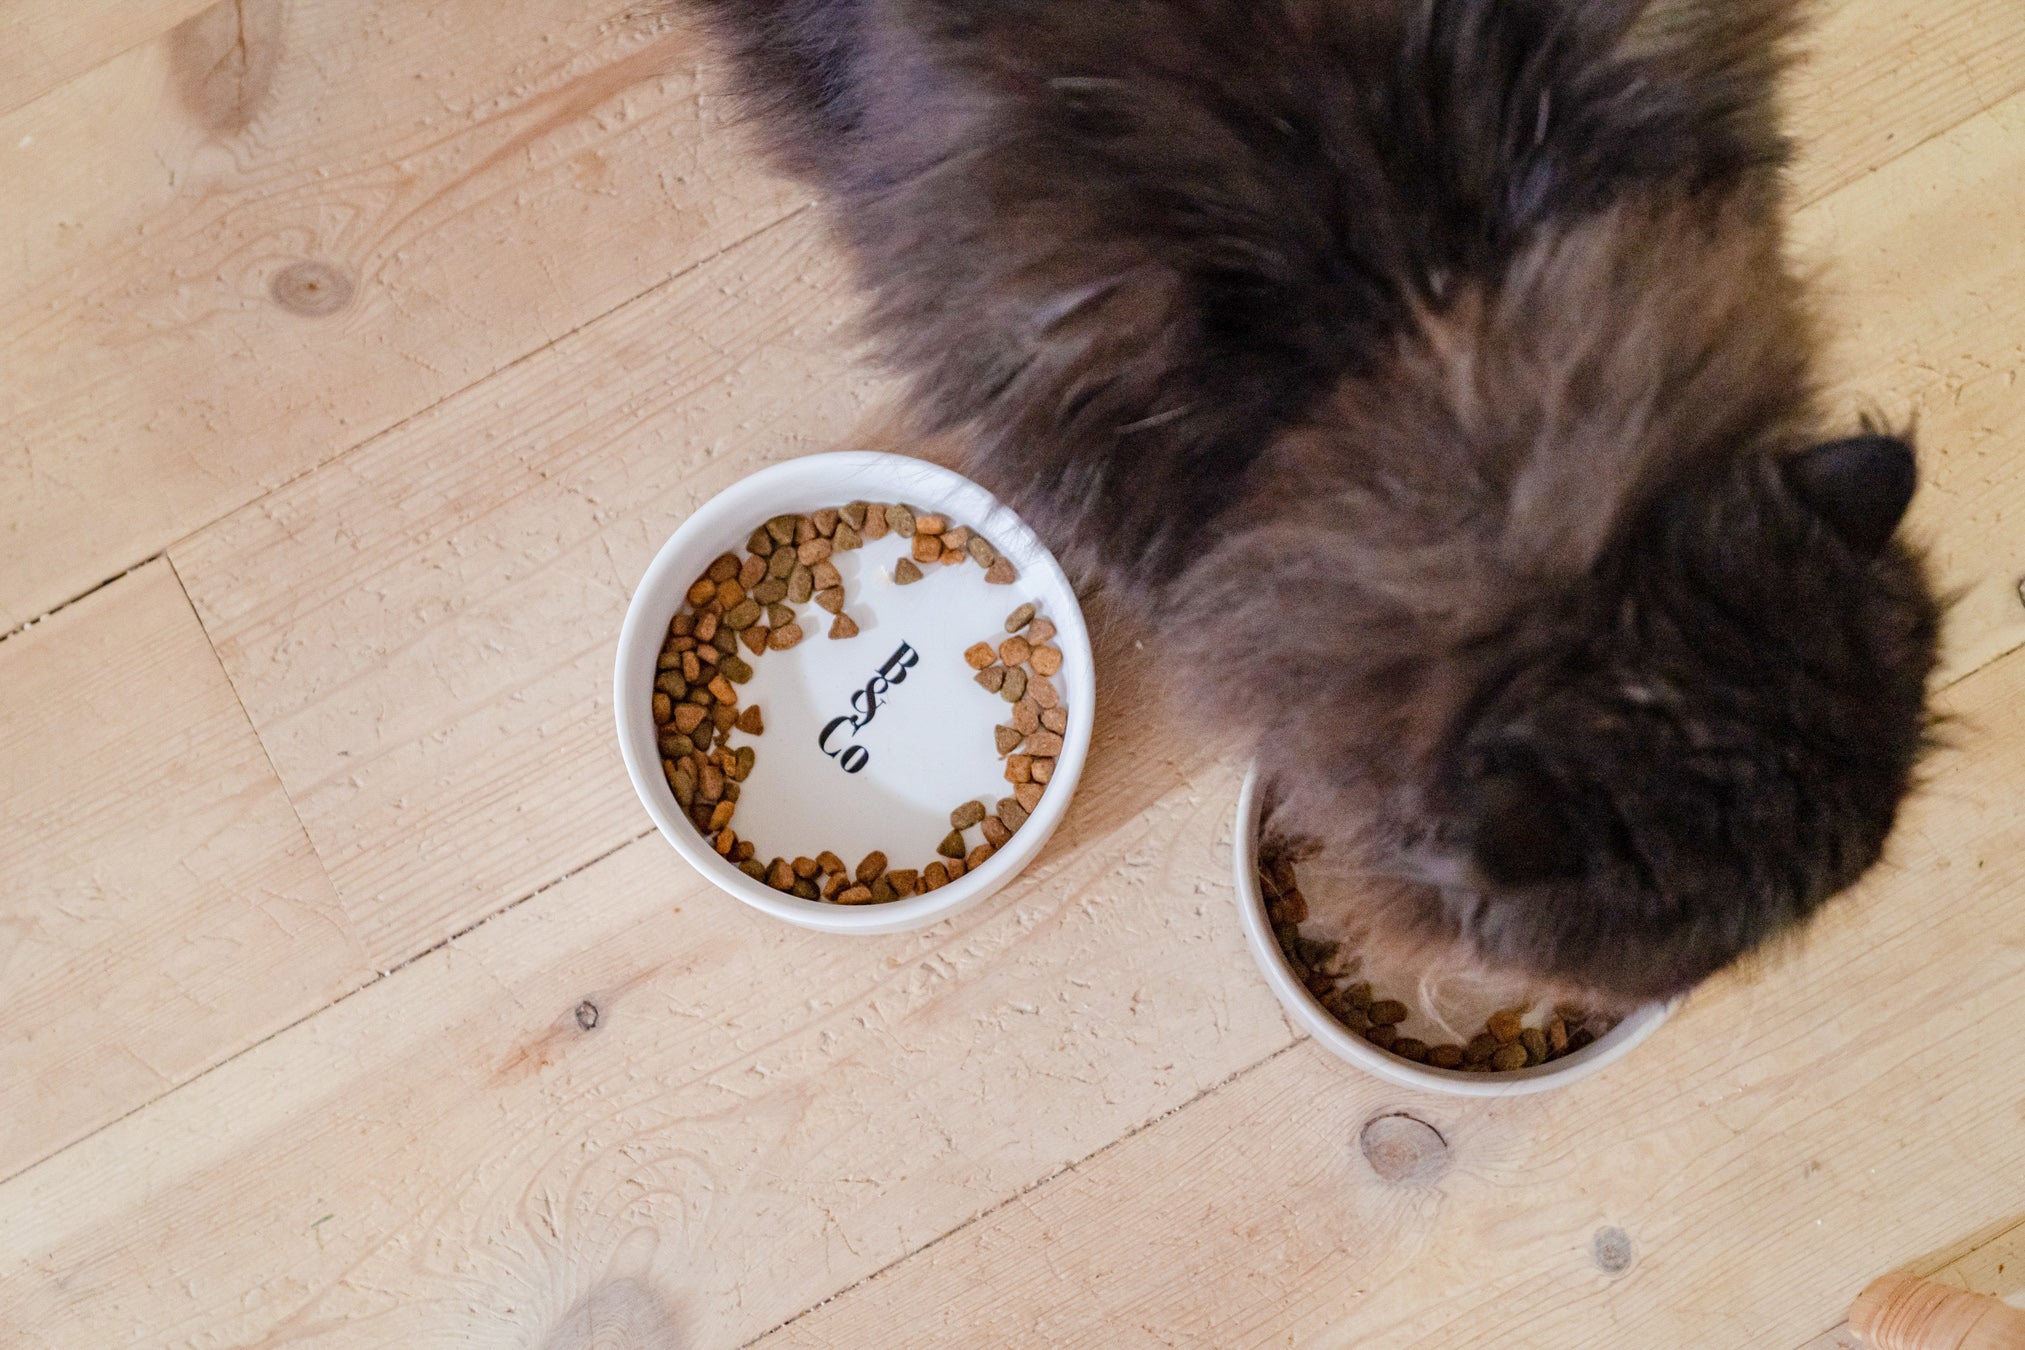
(1432, 372)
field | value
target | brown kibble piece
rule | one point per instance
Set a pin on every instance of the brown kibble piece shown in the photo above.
(871, 866)
(1015, 686)
(847, 537)
(1009, 738)
(956, 537)
(1042, 630)
(854, 514)
(836, 885)
(801, 585)
(1044, 769)
(805, 889)
(1509, 1057)
(1580, 1038)
(722, 568)
(905, 880)
(752, 869)
(1047, 660)
(720, 815)
(1506, 1024)
(752, 571)
(722, 715)
(992, 678)
(1481, 1047)
(1535, 1041)
(721, 690)
(692, 668)
(1019, 618)
(784, 637)
(883, 892)
(854, 895)
(781, 565)
(977, 856)
(1011, 814)
(1557, 1036)
(780, 616)
(805, 530)
(760, 544)
(995, 832)
(831, 600)
(744, 615)
(966, 815)
(826, 520)
(1357, 995)
(825, 575)
(805, 867)
(934, 877)
(1382, 1035)
(1410, 1049)
(1388, 1010)
(1353, 1018)
(876, 525)
(779, 874)
(1014, 651)
(1043, 692)
(1445, 1056)
(1001, 573)
(952, 556)
(688, 717)
(1029, 795)
(980, 550)
(905, 573)
(844, 627)
(930, 524)
(979, 656)
(1044, 743)
(725, 842)
(755, 637)
(901, 518)
(664, 708)
(782, 529)
(729, 595)
(1019, 768)
(701, 591)
(951, 845)
(813, 552)
(827, 862)
(682, 625)
(1026, 716)
(956, 868)
(745, 757)
(927, 548)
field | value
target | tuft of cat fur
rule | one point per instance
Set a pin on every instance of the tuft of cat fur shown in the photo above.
(1433, 372)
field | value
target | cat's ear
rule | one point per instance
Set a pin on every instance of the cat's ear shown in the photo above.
(1523, 837)
(1860, 487)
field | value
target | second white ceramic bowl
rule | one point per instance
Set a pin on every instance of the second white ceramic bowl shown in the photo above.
(1346, 1045)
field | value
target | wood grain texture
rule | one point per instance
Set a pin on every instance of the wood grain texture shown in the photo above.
(160, 908)
(44, 44)
(754, 1117)
(1787, 1137)
(1925, 289)
(1880, 77)
(259, 240)
(424, 631)
(1995, 1267)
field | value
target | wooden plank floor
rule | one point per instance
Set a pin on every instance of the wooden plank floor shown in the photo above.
(359, 355)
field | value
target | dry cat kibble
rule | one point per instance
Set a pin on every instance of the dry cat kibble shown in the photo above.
(1508, 1042)
(758, 600)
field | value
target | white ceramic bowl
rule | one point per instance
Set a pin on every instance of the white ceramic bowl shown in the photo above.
(929, 742)
(1354, 1049)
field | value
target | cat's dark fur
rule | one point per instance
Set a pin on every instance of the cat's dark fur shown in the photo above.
(1433, 372)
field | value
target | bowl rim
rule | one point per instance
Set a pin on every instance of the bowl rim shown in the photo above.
(1309, 1014)
(729, 515)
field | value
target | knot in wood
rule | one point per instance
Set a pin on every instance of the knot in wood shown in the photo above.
(311, 288)
(1403, 1149)
(587, 1015)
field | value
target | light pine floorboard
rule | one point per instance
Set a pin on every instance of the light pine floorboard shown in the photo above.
(160, 906)
(238, 250)
(406, 498)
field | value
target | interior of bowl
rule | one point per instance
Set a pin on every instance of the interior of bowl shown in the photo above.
(1347, 1045)
(868, 741)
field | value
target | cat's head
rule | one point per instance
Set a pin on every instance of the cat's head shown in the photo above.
(1622, 777)
(1684, 756)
